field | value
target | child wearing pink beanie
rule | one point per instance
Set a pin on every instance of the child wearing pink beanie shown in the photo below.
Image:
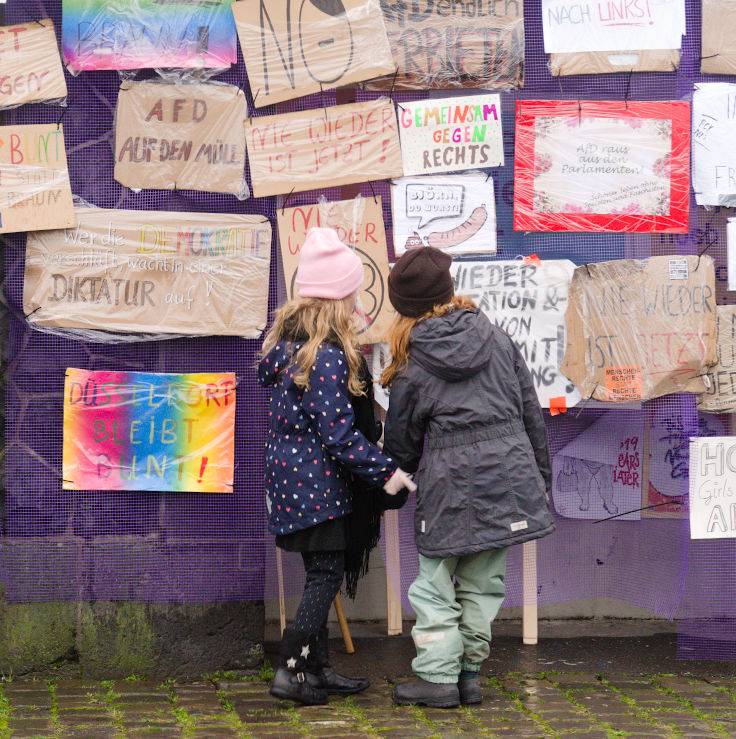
(316, 452)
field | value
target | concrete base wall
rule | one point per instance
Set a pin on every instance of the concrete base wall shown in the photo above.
(118, 639)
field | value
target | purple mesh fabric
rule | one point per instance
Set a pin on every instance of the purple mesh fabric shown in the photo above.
(61, 545)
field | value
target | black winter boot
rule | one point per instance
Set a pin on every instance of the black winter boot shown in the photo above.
(321, 674)
(469, 687)
(422, 693)
(290, 681)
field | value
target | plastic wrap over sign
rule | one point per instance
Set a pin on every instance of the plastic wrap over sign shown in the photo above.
(185, 136)
(30, 66)
(35, 192)
(145, 431)
(528, 301)
(602, 166)
(119, 34)
(150, 272)
(639, 329)
(441, 45)
(296, 47)
(720, 397)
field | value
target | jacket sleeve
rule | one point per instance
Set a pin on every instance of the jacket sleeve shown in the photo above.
(327, 403)
(403, 434)
(533, 418)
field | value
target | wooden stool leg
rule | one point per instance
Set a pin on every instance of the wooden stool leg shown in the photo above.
(349, 648)
(280, 580)
(529, 592)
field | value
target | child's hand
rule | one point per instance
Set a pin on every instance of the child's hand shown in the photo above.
(399, 480)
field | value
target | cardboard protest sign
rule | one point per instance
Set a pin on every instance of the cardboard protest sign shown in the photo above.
(439, 45)
(449, 134)
(326, 147)
(717, 41)
(30, 66)
(144, 431)
(612, 62)
(455, 213)
(720, 397)
(185, 136)
(599, 473)
(638, 329)
(528, 301)
(713, 488)
(295, 47)
(138, 271)
(119, 34)
(359, 223)
(714, 128)
(35, 193)
(602, 166)
(599, 25)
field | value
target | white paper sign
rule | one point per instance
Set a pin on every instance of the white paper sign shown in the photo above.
(598, 474)
(713, 488)
(528, 301)
(731, 253)
(612, 25)
(451, 134)
(455, 213)
(602, 165)
(713, 133)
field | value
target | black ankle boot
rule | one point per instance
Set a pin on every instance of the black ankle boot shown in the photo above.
(322, 675)
(290, 681)
(422, 693)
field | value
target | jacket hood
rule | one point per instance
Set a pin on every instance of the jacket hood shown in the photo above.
(454, 346)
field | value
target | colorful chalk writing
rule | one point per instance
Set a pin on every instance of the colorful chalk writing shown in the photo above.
(144, 431)
(118, 34)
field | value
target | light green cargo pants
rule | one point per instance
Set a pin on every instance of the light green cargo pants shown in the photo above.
(453, 627)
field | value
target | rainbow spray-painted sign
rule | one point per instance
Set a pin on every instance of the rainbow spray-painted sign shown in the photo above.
(144, 431)
(120, 34)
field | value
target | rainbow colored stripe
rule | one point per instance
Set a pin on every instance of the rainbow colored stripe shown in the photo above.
(144, 431)
(119, 34)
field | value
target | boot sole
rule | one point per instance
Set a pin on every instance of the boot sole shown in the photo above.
(283, 695)
(472, 702)
(428, 704)
(351, 691)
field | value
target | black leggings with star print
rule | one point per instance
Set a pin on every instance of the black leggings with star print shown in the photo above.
(325, 571)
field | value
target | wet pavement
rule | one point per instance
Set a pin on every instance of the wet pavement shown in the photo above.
(580, 686)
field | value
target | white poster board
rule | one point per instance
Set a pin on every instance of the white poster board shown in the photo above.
(713, 488)
(575, 26)
(602, 165)
(451, 134)
(599, 473)
(454, 213)
(713, 133)
(529, 302)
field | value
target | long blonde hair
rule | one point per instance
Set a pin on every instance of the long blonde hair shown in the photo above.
(398, 335)
(318, 320)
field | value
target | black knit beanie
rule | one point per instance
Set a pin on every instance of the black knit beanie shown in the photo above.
(420, 280)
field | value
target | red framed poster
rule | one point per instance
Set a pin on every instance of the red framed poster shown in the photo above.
(602, 166)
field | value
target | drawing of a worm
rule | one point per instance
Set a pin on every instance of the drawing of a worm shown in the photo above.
(470, 227)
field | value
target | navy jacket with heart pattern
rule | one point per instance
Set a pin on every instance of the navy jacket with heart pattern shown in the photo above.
(313, 445)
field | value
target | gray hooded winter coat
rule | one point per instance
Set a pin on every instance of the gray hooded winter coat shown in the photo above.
(466, 407)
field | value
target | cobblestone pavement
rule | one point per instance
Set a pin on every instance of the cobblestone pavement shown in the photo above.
(571, 704)
(578, 687)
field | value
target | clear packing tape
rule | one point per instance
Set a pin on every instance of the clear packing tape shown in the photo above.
(129, 275)
(186, 136)
(450, 44)
(293, 49)
(640, 329)
(30, 65)
(119, 34)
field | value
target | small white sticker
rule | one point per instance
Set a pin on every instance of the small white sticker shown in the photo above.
(519, 525)
(423, 527)
(679, 269)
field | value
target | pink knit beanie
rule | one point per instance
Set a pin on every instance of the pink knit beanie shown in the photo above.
(327, 268)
